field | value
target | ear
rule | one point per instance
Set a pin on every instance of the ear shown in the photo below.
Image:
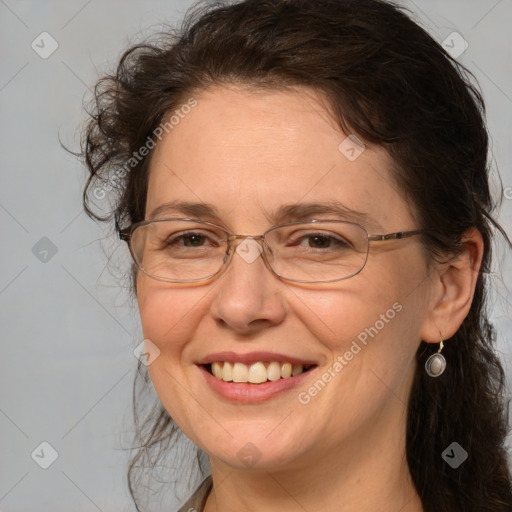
(452, 289)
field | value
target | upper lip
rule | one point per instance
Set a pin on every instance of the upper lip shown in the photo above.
(253, 357)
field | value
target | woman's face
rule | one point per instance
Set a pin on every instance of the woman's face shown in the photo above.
(247, 155)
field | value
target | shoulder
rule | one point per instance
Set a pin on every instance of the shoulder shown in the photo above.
(197, 501)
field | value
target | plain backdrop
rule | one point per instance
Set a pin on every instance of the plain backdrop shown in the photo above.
(68, 326)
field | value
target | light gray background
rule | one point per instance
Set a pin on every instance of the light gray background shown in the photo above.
(68, 327)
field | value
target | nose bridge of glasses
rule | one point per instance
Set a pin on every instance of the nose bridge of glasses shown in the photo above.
(235, 237)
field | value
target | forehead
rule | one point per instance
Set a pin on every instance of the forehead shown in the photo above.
(249, 152)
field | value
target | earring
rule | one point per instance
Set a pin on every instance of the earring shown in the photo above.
(436, 363)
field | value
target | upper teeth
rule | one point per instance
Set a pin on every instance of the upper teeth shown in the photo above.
(255, 373)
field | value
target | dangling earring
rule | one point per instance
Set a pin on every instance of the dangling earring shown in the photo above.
(436, 363)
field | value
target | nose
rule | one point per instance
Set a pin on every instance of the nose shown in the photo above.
(248, 295)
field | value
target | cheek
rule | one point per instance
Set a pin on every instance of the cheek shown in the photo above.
(371, 333)
(169, 318)
(168, 314)
(367, 310)
(371, 326)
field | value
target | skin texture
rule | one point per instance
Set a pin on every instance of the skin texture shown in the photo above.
(247, 152)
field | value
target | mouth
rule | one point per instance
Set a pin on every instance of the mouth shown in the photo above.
(255, 377)
(258, 372)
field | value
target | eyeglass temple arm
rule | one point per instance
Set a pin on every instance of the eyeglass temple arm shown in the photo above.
(393, 236)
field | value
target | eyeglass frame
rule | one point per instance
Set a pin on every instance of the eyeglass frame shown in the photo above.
(125, 234)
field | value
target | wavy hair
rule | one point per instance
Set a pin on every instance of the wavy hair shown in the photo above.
(385, 79)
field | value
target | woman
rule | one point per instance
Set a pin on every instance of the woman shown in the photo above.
(303, 187)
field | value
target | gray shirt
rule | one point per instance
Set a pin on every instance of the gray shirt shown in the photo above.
(197, 501)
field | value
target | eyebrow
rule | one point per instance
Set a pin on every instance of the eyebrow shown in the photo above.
(285, 213)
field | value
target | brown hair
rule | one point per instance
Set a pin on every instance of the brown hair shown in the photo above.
(387, 81)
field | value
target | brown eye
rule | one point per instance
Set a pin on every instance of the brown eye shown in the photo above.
(189, 240)
(320, 241)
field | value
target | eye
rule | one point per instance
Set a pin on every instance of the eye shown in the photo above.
(320, 241)
(188, 240)
(317, 240)
(192, 239)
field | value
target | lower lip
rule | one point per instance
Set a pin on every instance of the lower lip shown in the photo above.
(246, 393)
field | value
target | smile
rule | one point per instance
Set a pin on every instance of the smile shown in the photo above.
(255, 373)
(254, 377)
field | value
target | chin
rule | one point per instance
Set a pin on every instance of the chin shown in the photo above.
(249, 457)
(256, 447)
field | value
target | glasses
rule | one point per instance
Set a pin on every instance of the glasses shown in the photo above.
(191, 250)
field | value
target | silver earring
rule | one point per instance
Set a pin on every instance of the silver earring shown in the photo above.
(436, 363)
